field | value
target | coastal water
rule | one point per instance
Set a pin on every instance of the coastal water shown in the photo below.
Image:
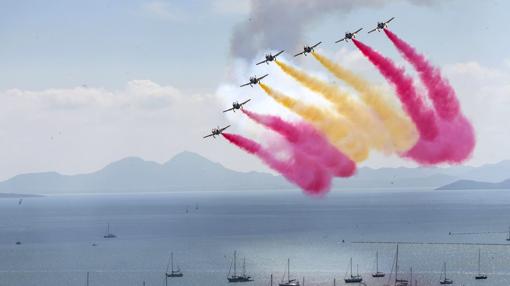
(57, 234)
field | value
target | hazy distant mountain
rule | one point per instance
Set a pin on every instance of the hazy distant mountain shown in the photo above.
(17, 196)
(186, 171)
(474, 185)
(490, 173)
(189, 171)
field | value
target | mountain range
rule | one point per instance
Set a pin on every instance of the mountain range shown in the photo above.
(190, 171)
(475, 185)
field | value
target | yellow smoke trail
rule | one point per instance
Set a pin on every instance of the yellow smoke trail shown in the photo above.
(337, 129)
(402, 131)
(371, 129)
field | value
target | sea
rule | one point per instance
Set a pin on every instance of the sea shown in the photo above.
(62, 237)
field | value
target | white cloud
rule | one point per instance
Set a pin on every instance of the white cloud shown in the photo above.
(485, 96)
(82, 129)
(137, 94)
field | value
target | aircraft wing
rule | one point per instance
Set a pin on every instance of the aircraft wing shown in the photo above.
(208, 135)
(243, 103)
(340, 40)
(279, 53)
(223, 129)
(245, 84)
(358, 30)
(390, 20)
(372, 30)
(261, 62)
(315, 45)
(262, 77)
(299, 54)
(228, 109)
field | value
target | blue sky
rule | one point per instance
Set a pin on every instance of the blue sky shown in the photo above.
(141, 77)
(106, 43)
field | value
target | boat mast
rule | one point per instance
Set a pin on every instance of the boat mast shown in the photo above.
(396, 267)
(244, 266)
(479, 272)
(377, 261)
(351, 265)
(172, 259)
(271, 283)
(288, 269)
(235, 263)
(411, 280)
(88, 278)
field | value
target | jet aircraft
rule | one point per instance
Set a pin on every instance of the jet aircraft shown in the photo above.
(254, 80)
(307, 49)
(217, 131)
(237, 105)
(381, 26)
(270, 58)
(349, 36)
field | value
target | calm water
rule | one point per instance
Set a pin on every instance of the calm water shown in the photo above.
(57, 233)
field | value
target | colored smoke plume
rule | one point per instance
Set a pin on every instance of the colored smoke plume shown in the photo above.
(298, 168)
(304, 137)
(403, 133)
(423, 117)
(456, 139)
(453, 145)
(440, 92)
(365, 123)
(337, 129)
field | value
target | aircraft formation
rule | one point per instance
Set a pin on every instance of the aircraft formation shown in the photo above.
(254, 80)
(427, 125)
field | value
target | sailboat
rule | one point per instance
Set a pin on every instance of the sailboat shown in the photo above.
(289, 282)
(377, 273)
(480, 275)
(445, 280)
(108, 234)
(508, 237)
(353, 278)
(174, 272)
(397, 281)
(238, 278)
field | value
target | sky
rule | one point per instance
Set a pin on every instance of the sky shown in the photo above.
(86, 83)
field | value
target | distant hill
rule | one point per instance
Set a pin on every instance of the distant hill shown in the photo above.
(190, 171)
(186, 171)
(474, 185)
(17, 196)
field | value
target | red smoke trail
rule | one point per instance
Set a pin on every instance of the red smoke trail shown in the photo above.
(456, 139)
(440, 92)
(454, 144)
(297, 168)
(306, 138)
(423, 117)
